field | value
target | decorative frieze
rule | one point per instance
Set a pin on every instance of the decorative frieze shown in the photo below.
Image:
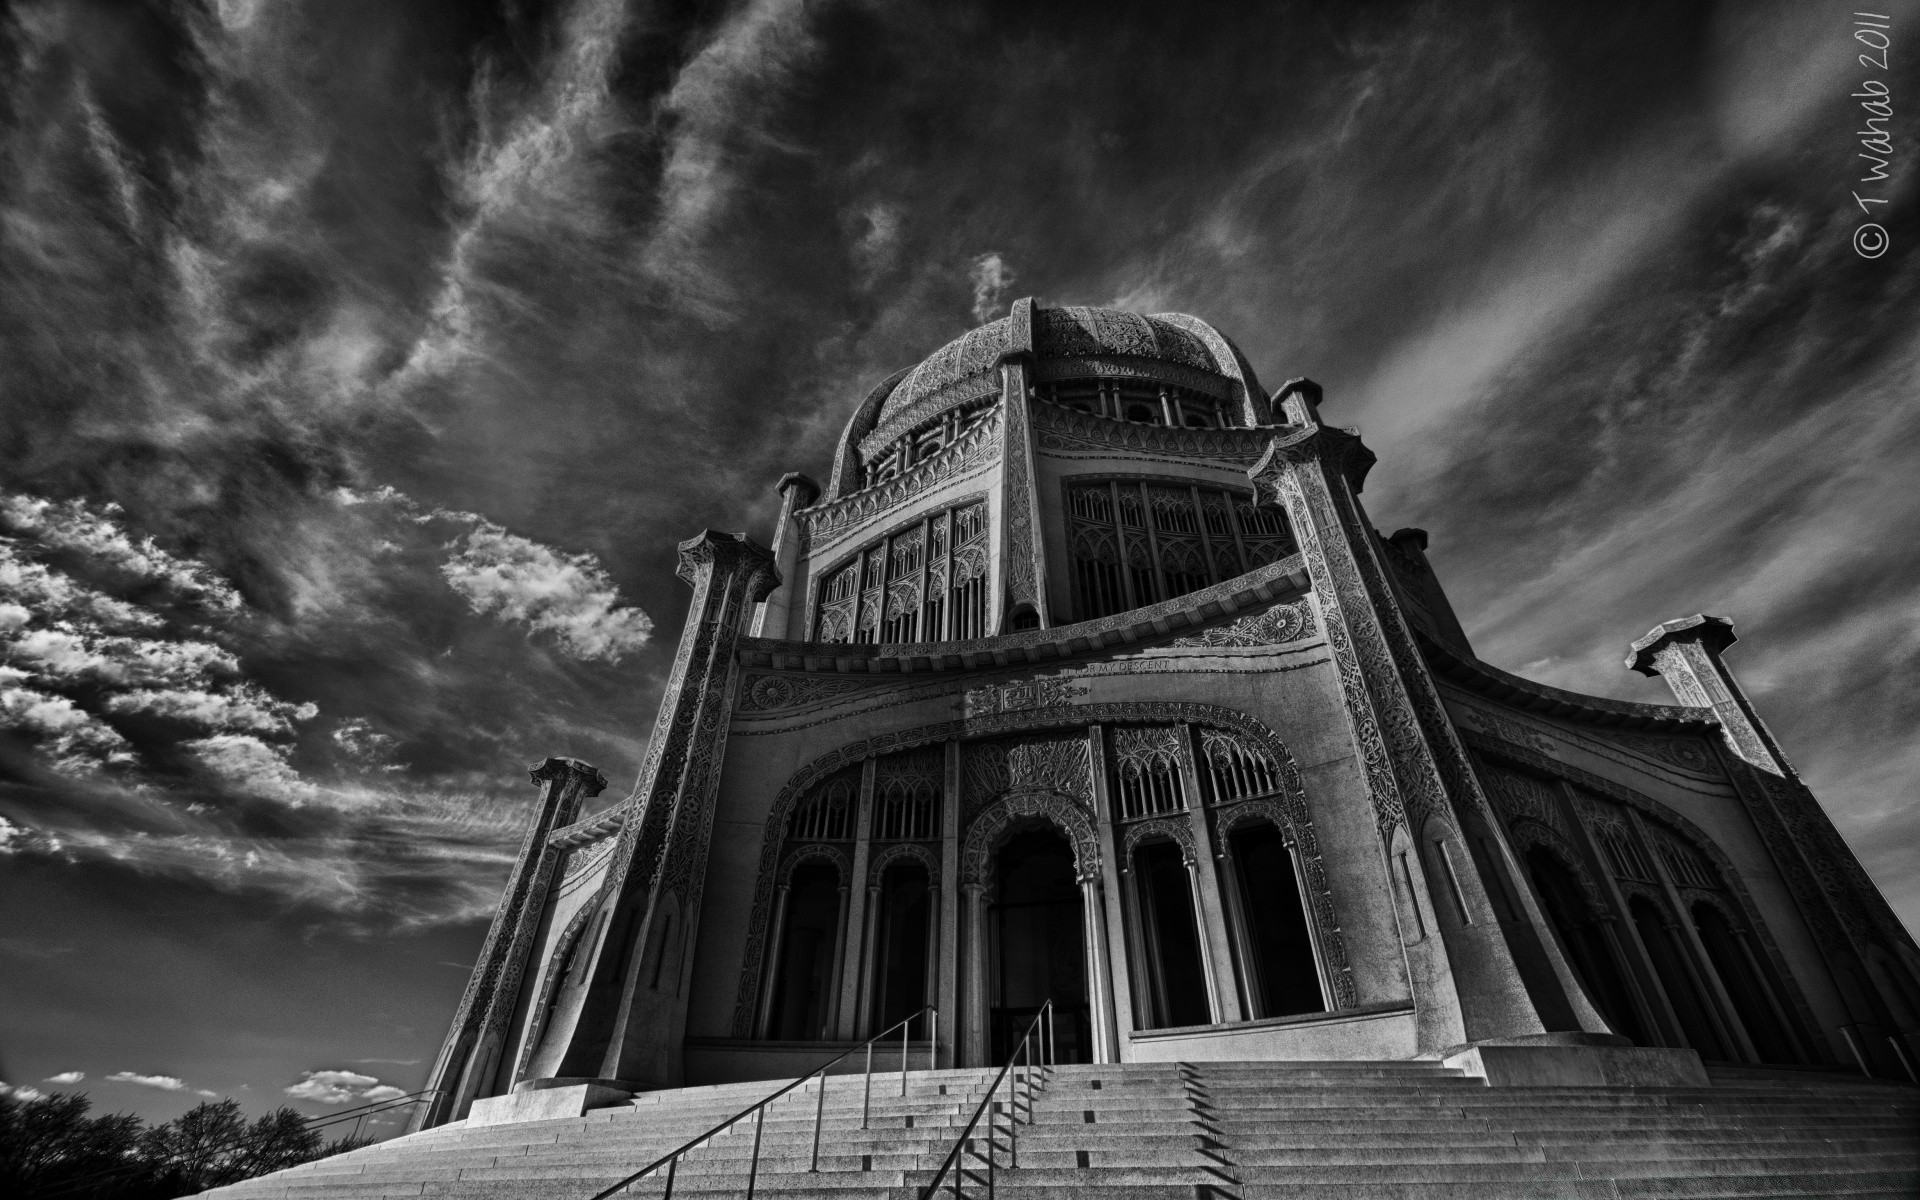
(1276, 626)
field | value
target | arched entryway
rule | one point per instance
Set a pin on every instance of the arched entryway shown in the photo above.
(1036, 946)
(1753, 1001)
(1689, 1006)
(802, 1007)
(1585, 943)
(902, 938)
(1173, 969)
(1280, 973)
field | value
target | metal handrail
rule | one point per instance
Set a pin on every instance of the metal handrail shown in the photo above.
(366, 1110)
(1036, 1031)
(758, 1110)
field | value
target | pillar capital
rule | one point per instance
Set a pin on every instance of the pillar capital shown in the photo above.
(712, 552)
(564, 770)
(1713, 634)
(805, 490)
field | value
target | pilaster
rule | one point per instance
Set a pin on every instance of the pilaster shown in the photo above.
(1113, 883)
(773, 617)
(1022, 557)
(621, 1031)
(946, 948)
(1476, 986)
(469, 1060)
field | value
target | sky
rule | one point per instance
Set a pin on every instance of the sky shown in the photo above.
(361, 365)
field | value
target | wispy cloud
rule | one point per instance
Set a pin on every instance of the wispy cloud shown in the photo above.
(66, 1078)
(567, 595)
(164, 1083)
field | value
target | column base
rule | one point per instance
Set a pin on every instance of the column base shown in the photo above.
(1543, 1064)
(547, 1100)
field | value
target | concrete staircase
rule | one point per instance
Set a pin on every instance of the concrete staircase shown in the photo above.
(1230, 1129)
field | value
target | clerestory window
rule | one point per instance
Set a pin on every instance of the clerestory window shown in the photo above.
(1135, 543)
(924, 583)
(1141, 401)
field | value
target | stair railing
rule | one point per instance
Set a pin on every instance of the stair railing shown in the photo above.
(1038, 1036)
(758, 1110)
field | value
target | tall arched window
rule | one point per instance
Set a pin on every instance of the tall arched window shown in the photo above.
(1281, 975)
(1168, 933)
(902, 938)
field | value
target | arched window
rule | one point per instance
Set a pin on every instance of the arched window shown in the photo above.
(1146, 765)
(804, 967)
(826, 814)
(1278, 967)
(901, 939)
(1168, 933)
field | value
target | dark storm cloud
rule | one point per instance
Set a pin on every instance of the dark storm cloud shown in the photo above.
(430, 329)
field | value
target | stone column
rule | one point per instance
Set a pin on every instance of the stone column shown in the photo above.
(869, 963)
(847, 977)
(770, 973)
(830, 1020)
(1843, 909)
(467, 1065)
(946, 948)
(772, 618)
(974, 1000)
(1245, 953)
(1022, 550)
(1209, 907)
(1119, 967)
(622, 1031)
(1099, 972)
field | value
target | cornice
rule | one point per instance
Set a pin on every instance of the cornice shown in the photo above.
(1261, 587)
(1063, 430)
(826, 523)
(1473, 675)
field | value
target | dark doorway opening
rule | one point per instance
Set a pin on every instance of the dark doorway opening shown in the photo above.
(1744, 987)
(1176, 974)
(800, 1000)
(1585, 944)
(1689, 1006)
(1285, 977)
(900, 949)
(1037, 945)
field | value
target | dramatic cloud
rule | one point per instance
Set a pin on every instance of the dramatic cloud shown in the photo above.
(363, 374)
(342, 1087)
(567, 595)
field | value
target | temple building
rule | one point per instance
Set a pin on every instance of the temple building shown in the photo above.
(1086, 677)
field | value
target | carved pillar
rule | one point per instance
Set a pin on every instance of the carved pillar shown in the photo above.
(467, 1065)
(1022, 553)
(946, 949)
(847, 977)
(869, 953)
(1470, 983)
(1113, 879)
(975, 1046)
(620, 1030)
(772, 618)
(1209, 905)
(1843, 909)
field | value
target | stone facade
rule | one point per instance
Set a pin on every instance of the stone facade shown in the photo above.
(1087, 677)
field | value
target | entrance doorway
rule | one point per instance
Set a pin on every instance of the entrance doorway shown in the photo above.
(1036, 948)
(1585, 943)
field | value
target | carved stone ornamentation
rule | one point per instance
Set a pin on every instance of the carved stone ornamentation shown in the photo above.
(774, 693)
(1022, 695)
(1016, 808)
(1277, 626)
(825, 524)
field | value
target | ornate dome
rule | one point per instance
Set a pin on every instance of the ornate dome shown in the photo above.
(1075, 332)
